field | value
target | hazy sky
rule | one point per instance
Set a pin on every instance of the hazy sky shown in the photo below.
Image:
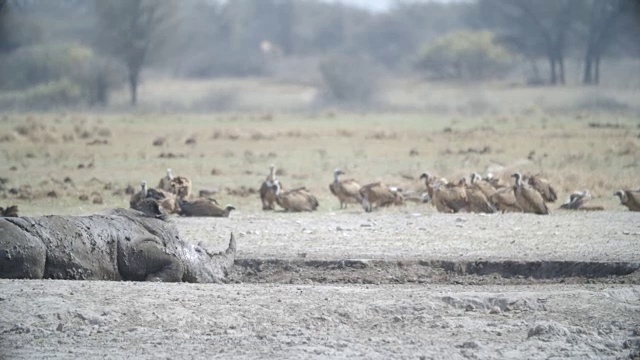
(378, 5)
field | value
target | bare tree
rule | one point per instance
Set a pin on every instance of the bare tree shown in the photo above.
(600, 33)
(128, 30)
(537, 26)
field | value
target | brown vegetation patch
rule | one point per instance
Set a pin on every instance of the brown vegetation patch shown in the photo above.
(159, 141)
(170, 155)
(382, 135)
(241, 191)
(8, 137)
(598, 125)
(345, 133)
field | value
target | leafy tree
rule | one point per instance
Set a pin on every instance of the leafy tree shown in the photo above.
(468, 55)
(129, 30)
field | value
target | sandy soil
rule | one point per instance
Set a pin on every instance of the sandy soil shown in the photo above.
(481, 317)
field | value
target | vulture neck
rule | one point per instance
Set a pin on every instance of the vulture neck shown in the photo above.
(335, 177)
(518, 181)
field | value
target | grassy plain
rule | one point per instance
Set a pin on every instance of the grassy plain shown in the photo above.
(496, 131)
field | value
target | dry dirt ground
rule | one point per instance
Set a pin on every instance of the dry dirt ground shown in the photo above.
(397, 283)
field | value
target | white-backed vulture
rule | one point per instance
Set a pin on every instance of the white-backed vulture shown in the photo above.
(11, 211)
(494, 181)
(478, 201)
(267, 190)
(142, 194)
(431, 183)
(346, 190)
(504, 200)
(528, 198)
(577, 201)
(295, 200)
(203, 208)
(543, 186)
(483, 185)
(165, 182)
(451, 198)
(378, 194)
(629, 198)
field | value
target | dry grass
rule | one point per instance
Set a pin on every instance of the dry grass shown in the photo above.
(102, 154)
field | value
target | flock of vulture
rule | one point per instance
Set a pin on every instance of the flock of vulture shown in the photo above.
(529, 194)
(173, 196)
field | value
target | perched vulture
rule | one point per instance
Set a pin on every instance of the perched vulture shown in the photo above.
(528, 198)
(267, 190)
(504, 200)
(629, 198)
(165, 182)
(346, 190)
(379, 194)
(451, 198)
(543, 186)
(137, 197)
(295, 200)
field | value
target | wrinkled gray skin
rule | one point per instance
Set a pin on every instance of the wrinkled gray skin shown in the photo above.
(122, 245)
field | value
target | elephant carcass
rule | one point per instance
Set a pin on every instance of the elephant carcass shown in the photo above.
(122, 245)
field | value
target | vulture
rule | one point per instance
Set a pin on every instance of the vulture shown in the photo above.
(11, 211)
(142, 194)
(543, 186)
(451, 198)
(577, 200)
(493, 181)
(295, 200)
(478, 201)
(165, 199)
(378, 195)
(528, 198)
(165, 182)
(150, 207)
(267, 190)
(432, 183)
(629, 198)
(504, 200)
(483, 185)
(181, 187)
(347, 190)
(203, 207)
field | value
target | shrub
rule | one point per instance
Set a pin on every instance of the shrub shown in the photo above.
(465, 55)
(44, 96)
(38, 64)
(45, 76)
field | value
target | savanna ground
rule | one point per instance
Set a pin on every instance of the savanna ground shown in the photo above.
(401, 282)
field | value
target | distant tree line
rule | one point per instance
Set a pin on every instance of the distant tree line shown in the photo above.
(111, 42)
